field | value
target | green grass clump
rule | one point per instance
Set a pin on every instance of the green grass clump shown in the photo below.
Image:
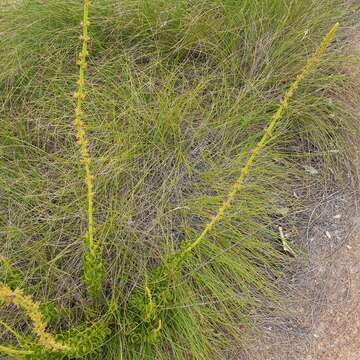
(178, 94)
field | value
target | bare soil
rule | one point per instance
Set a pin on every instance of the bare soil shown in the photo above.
(319, 318)
(337, 335)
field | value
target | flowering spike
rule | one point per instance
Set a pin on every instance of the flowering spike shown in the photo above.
(236, 187)
(93, 270)
(31, 308)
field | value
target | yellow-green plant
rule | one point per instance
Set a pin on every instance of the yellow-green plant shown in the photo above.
(161, 288)
(237, 186)
(93, 265)
(82, 340)
(31, 308)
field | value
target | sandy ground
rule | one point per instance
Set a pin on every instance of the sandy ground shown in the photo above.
(337, 335)
(319, 318)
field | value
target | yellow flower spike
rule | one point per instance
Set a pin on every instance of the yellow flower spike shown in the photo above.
(93, 268)
(32, 310)
(237, 186)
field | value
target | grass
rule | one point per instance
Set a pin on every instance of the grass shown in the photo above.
(177, 95)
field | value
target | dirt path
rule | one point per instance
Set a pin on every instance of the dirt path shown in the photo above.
(337, 334)
(320, 317)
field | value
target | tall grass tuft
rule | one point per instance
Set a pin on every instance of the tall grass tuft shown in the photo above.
(178, 95)
(149, 308)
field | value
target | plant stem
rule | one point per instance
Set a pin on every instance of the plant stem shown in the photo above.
(79, 125)
(237, 186)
